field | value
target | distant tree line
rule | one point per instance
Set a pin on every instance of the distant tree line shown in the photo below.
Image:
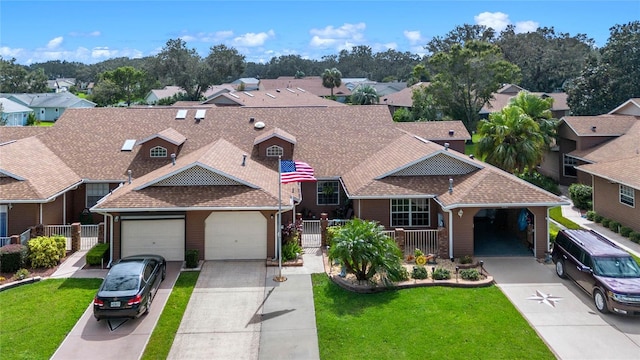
(596, 80)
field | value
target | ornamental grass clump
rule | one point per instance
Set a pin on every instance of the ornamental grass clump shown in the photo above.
(441, 274)
(419, 273)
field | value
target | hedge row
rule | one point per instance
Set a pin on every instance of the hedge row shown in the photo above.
(614, 226)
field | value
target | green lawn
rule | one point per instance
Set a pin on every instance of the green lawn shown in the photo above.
(35, 318)
(556, 214)
(422, 323)
(162, 337)
(46, 123)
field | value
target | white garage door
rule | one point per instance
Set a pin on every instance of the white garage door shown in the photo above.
(162, 237)
(235, 235)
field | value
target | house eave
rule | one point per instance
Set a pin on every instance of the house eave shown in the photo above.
(205, 208)
(504, 205)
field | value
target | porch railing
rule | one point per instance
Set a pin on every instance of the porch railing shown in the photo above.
(5, 240)
(425, 240)
(88, 234)
(25, 237)
(311, 234)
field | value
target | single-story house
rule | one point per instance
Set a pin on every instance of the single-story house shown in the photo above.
(166, 180)
(13, 113)
(501, 99)
(311, 84)
(286, 97)
(49, 106)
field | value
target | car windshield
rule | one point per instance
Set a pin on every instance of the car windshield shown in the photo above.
(616, 267)
(123, 277)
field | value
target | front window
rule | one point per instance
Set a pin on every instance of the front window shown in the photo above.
(616, 267)
(275, 150)
(328, 192)
(627, 195)
(569, 164)
(158, 152)
(96, 192)
(410, 212)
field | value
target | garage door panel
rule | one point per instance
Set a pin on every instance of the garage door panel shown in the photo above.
(162, 237)
(236, 236)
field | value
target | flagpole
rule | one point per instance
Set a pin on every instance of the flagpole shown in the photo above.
(279, 277)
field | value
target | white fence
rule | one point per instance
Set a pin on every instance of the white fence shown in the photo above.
(311, 234)
(425, 240)
(88, 234)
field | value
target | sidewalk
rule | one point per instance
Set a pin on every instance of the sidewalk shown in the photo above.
(573, 214)
(71, 266)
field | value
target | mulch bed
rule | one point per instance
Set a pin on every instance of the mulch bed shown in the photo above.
(33, 272)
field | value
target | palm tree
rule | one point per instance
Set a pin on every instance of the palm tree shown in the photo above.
(511, 140)
(538, 109)
(365, 95)
(364, 250)
(331, 78)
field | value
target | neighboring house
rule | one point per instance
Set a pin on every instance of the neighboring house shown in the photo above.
(155, 95)
(49, 106)
(246, 84)
(61, 84)
(502, 97)
(602, 151)
(166, 180)
(286, 97)
(312, 84)
(402, 98)
(13, 113)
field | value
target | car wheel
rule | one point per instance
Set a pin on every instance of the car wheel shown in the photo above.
(164, 272)
(560, 269)
(600, 301)
(148, 307)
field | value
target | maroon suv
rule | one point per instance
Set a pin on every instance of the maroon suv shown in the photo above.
(604, 270)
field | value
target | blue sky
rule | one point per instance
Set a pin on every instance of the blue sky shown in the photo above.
(91, 31)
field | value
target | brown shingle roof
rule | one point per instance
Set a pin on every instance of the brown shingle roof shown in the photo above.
(625, 146)
(10, 133)
(32, 171)
(605, 125)
(271, 98)
(403, 97)
(625, 171)
(501, 100)
(275, 132)
(437, 130)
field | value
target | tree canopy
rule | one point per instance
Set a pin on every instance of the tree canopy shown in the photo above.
(611, 77)
(466, 77)
(365, 95)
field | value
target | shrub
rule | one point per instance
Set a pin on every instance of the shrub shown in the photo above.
(470, 274)
(441, 274)
(417, 252)
(606, 222)
(22, 274)
(581, 196)
(291, 250)
(46, 251)
(97, 254)
(331, 232)
(467, 259)
(419, 272)
(614, 226)
(13, 257)
(598, 218)
(591, 215)
(403, 274)
(541, 181)
(635, 237)
(191, 258)
(625, 231)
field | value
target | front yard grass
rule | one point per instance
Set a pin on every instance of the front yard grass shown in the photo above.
(35, 318)
(422, 323)
(556, 214)
(165, 331)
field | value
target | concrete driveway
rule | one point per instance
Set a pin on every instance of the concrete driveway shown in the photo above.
(116, 339)
(562, 314)
(223, 317)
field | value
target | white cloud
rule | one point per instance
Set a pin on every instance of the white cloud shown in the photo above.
(343, 37)
(87, 34)
(498, 21)
(55, 42)
(253, 39)
(8, 53)
(413, 36)
(215, 37)
(103, 52)
(526, 26)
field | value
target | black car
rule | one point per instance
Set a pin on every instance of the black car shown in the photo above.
(601, 268)
(129, 287)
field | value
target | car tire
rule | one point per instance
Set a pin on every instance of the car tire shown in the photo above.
(164, 272)
(148, 307)
(560, 269)
(600, 301)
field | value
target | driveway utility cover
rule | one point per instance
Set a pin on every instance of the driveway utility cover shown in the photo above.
(222, 319)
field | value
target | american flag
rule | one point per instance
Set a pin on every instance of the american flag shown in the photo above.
(295, 171)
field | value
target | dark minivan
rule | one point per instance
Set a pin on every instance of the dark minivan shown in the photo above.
(129, 287)
(601, 268)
